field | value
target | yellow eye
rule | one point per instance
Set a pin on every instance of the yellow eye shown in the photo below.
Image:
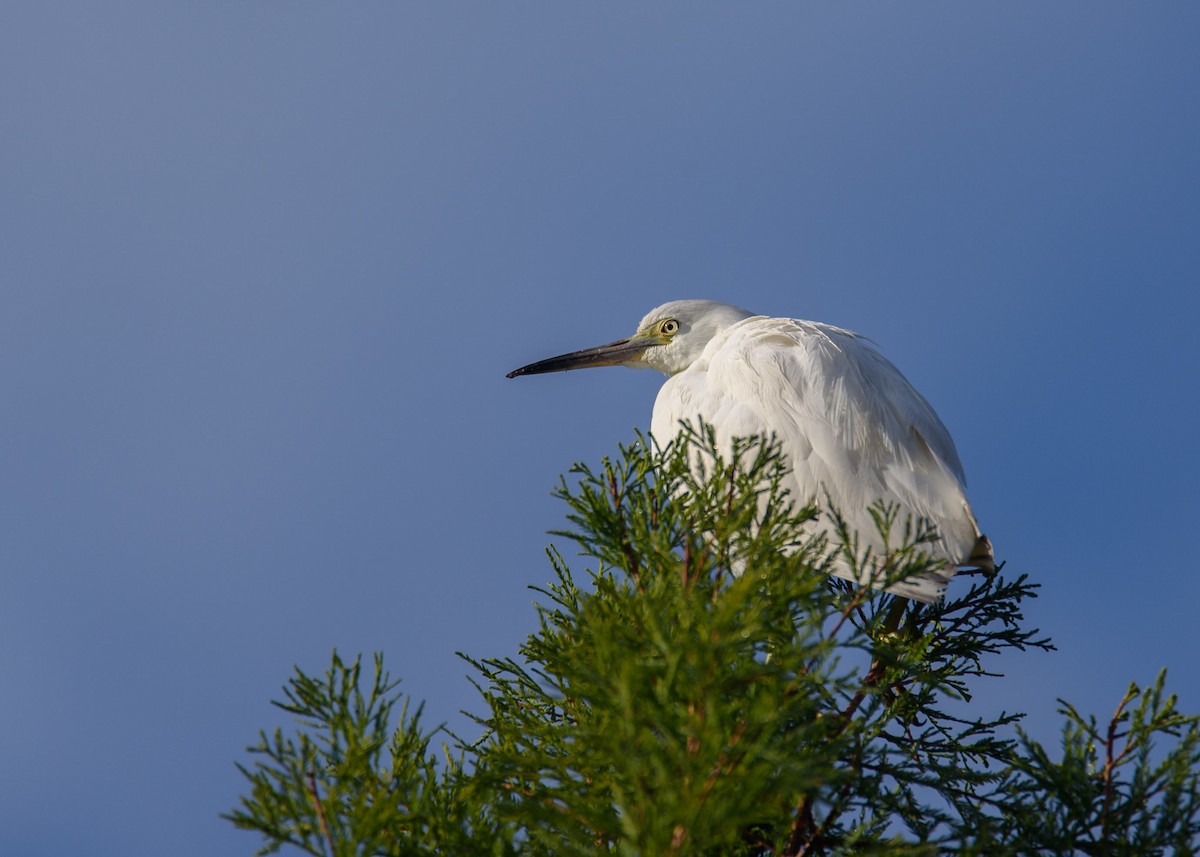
(668, 327)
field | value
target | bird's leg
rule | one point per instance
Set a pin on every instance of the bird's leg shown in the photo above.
(891, 622)
(890, 628)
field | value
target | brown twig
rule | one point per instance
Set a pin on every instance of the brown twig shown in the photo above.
(805, 832)
(1111, 760)
(854, 601)
(316, 799)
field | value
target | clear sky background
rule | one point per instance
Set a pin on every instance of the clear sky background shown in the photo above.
(263, 267)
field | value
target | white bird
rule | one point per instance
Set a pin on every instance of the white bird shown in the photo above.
(852, 427)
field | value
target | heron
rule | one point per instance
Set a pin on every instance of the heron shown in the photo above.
(853, 430)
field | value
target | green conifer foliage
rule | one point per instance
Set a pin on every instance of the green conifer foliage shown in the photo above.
(709, 689)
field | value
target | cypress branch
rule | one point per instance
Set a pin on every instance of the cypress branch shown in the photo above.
(707, 688)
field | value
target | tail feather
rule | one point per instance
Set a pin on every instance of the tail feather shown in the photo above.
(982, 556)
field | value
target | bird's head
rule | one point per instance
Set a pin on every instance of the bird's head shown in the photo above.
(668, 339)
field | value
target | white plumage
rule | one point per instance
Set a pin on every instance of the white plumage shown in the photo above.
(851, 426)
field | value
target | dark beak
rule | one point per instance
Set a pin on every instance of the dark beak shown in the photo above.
(613, 354)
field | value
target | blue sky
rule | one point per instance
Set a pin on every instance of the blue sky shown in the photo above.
(263, 268)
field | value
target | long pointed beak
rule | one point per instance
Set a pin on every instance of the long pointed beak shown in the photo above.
(613, 354)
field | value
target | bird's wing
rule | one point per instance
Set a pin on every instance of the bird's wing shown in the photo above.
(851, 425)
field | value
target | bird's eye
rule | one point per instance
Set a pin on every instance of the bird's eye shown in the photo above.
(670, 327)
